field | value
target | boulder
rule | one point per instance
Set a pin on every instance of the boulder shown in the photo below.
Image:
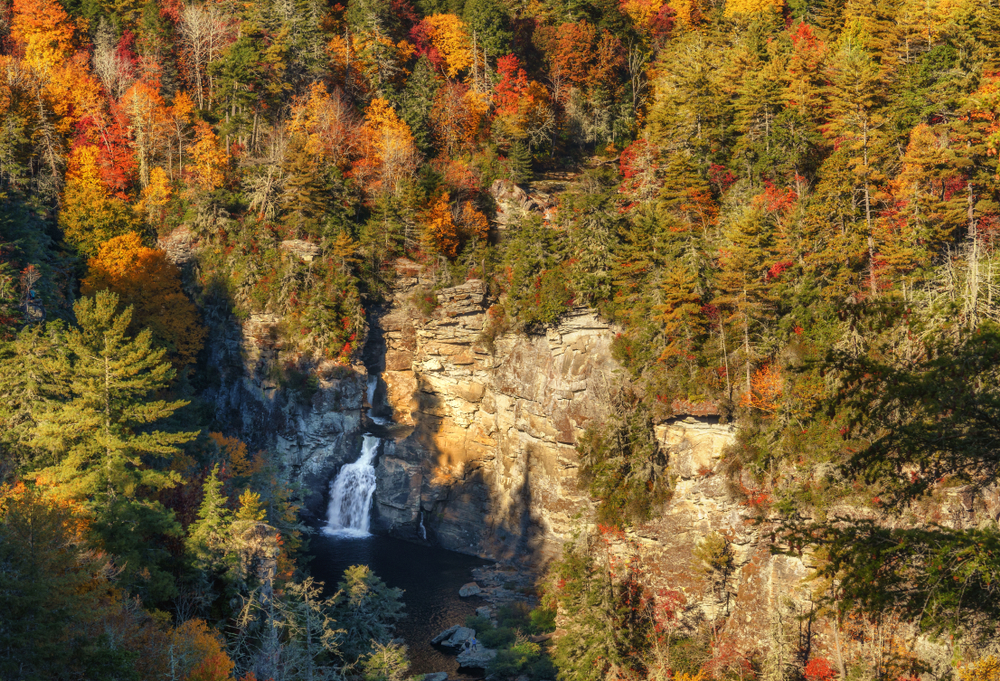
(436, 676)
(445, 635)
(479, 658)
(303, 250)
(454, 637)
(470, 589)
(484, 611)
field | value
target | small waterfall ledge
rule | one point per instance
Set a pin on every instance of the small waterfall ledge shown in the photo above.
(349, 513)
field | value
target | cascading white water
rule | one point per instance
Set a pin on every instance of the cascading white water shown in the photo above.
(423, 530)
(372, 385)
(351, 494)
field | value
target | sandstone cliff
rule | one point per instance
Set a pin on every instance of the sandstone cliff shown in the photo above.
(488, 463)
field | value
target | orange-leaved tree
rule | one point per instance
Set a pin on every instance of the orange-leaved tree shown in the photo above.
(441, 230)
(200, 651)
(144, 278)
(456, 116)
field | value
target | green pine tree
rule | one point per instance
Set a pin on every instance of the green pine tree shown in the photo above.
(206, 536)
(97, 433)
(417, 101)
(304, 200)
(489, 24)
(367, 609)
(519, 158)
(100, 435)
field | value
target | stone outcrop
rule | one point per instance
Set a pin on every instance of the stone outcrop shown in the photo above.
(479, 658)
(455, 637)
(514, 203)
(490, 464)
(470, 589)
(303, 250)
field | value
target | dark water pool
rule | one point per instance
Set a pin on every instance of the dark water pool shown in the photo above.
(430, 578)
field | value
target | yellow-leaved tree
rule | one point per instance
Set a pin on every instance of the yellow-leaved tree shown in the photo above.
(144, 278)
(450, 37)
(389, 154)
(737, 7)
(209, 160)
(155, 197)
(90, 215)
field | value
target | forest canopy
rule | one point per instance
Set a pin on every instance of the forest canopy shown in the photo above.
(789, 210)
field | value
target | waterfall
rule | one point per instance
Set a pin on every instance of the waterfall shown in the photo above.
(351, 494)
(372, 385)
(423, 530)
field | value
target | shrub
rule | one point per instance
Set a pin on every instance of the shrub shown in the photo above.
(543, 620)
(522, 658)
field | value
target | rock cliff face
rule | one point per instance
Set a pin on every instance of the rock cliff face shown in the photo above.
(487, 464)
(314, 427)
(490, 465)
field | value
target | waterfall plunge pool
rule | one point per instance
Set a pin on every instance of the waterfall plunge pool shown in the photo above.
(430, 578)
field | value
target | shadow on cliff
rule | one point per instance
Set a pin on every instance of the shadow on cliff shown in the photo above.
(463, 489)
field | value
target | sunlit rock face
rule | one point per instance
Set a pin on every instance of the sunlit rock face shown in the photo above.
(491, 459)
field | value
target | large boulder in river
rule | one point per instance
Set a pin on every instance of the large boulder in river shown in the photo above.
(454, 637)
(470, 589)
(479, 658)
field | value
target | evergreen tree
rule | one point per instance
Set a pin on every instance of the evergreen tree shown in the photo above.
(304, 200)
(489, 27)
(858, 126)
(100, 435)
(742, 286)
(367, 609)
(49, 585)
(417, 102)
(519, 158)
(207, 536)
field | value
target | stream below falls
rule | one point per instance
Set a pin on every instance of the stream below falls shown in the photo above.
(430, 578)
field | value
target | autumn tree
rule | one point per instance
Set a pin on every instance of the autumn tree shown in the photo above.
(90, 214)
(449, 36)
(209, 161)
(441, 230)
(456, 117)
(388, 155)
(146, 281)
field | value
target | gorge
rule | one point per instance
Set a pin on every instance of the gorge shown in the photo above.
(479, 456)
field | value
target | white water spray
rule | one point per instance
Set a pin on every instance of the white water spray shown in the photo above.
(351, 494)
(372, 385)
(423, 530)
